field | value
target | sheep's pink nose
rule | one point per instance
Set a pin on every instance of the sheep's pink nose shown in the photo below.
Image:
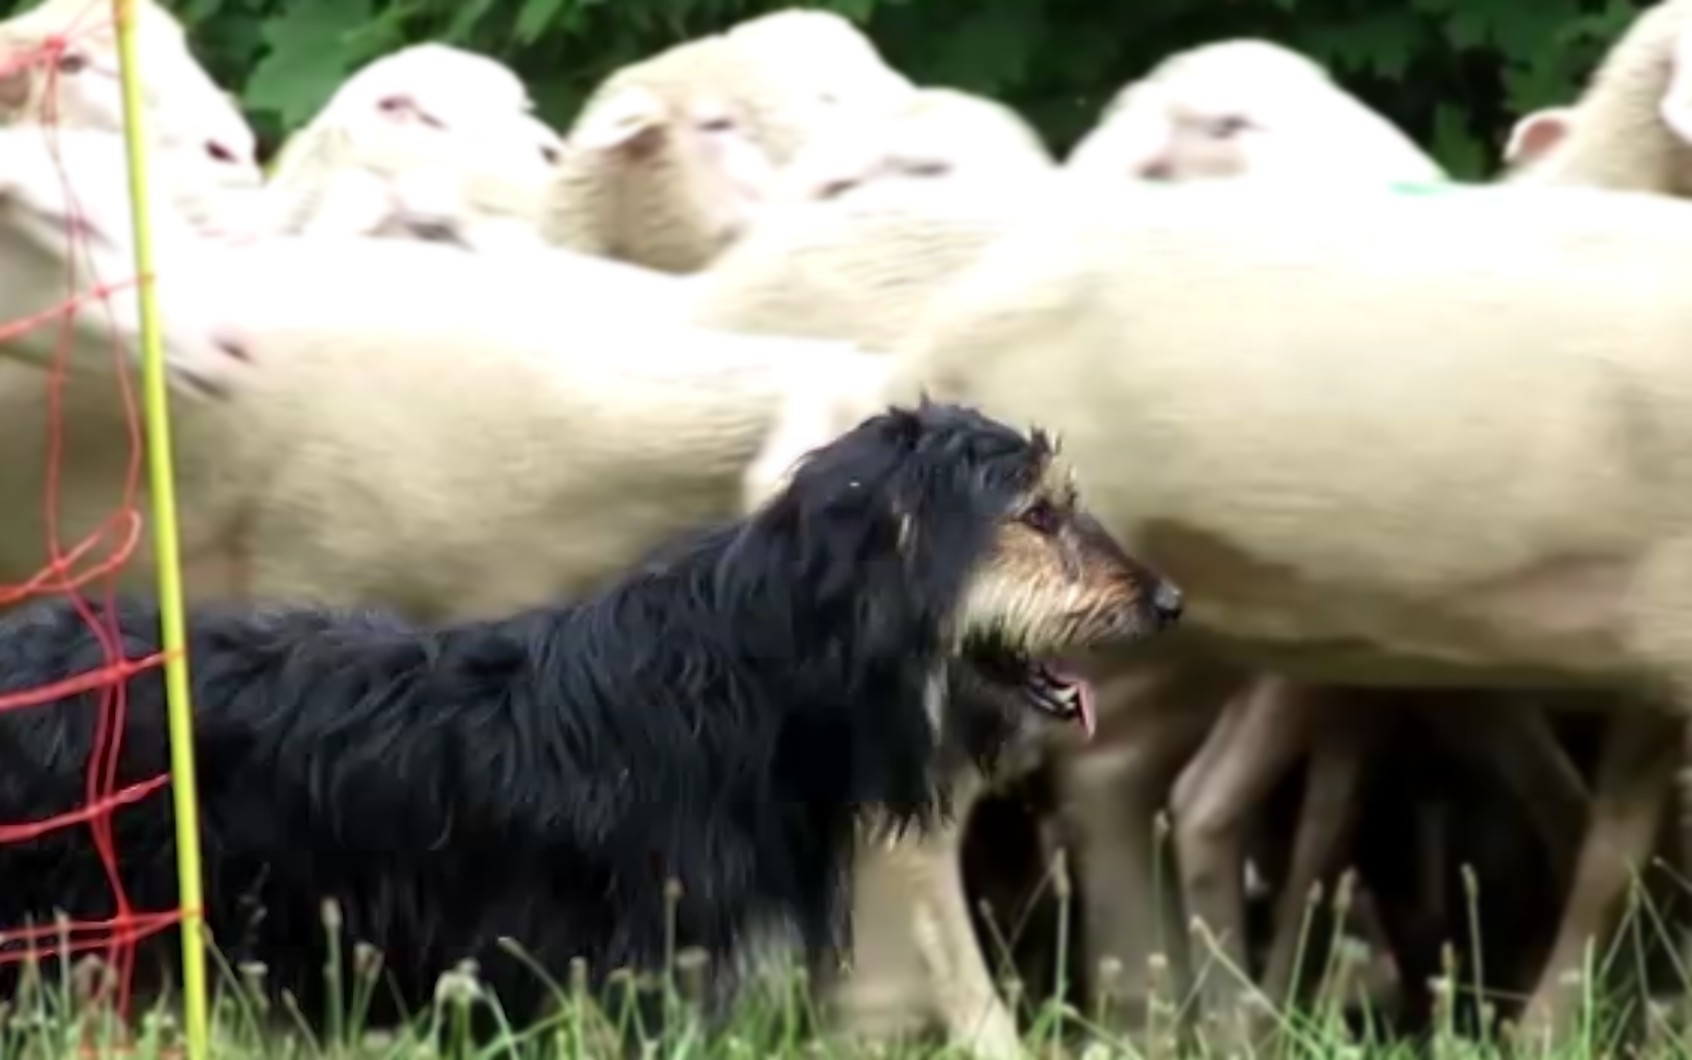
(1159, 169)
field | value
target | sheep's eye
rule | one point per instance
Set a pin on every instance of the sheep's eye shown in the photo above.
(927, 168)
(717, 125)
(1042, 517)
(833, 189)
(1228, 125)
(72, 63)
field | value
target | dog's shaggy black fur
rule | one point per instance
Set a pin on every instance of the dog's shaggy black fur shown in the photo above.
(721, 717)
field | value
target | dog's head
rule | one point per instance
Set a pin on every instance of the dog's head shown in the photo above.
(944, 526)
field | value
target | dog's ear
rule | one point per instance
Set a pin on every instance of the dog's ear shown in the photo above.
(904, 426)
(1045, 443)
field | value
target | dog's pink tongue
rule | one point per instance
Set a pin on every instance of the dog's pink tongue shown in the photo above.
(1087, 714)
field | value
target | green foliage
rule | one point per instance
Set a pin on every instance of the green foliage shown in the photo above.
(1455, 73)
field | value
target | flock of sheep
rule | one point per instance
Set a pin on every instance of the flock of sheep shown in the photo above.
(1423, 461)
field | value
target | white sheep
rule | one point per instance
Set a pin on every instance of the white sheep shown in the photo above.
(59, 66)
(1631, 129)
(862, 269)
(928, 134)
(1246, 107)
(64, 201)
(1551, 544)
(77, 85)
(430, 132)
(673, 157)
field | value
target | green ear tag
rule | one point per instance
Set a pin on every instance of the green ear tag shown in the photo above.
(1404, 187)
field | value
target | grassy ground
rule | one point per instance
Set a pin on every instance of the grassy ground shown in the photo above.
(70, 1012)
(73, 1018)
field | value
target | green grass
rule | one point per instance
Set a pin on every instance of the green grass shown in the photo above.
(70, 1020)
(70, 1015)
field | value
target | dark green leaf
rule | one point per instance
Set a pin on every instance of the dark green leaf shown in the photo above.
(307, 58)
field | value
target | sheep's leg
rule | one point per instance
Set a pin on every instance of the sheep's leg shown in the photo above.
(1262, 732)
(886, 993)
(1517, 743)
(1640, 754)
(1682, 857)
(1110, 794)
(1341, 747)
(968, 1002)
(915, 951)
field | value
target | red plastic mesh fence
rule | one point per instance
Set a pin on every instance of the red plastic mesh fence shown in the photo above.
(82, 569)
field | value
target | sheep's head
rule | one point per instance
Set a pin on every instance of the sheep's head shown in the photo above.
(820, 57)
(686, 172)
(65, 232)
(428, 142)
(436, 103)
(932, 134)
(1245, 108)
(59, 65)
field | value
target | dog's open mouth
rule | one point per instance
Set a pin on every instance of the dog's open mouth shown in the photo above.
(1044, 684)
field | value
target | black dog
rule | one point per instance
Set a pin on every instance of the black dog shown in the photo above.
(721, 717)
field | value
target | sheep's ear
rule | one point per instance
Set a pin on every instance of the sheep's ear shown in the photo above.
(1536, 133)
(1675, 107)
(15, 74)
(629, 119)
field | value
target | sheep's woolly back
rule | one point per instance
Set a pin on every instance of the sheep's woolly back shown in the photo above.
(1246, 108)
(1332, 429)
(431, 133)
(862, 266)
(672, 157)
(1621, 133)
(844, 391)
(418, 459)
(341, 282)
(931, 133)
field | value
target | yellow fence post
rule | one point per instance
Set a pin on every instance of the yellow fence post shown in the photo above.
(162, 484)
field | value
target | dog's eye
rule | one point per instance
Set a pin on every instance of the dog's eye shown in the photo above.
(1042, 517)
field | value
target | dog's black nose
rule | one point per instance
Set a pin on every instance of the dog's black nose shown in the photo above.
(1167, 602)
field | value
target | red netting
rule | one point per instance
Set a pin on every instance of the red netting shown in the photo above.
(83, 569)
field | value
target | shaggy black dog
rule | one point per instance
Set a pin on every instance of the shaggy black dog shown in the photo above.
(721, 717)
